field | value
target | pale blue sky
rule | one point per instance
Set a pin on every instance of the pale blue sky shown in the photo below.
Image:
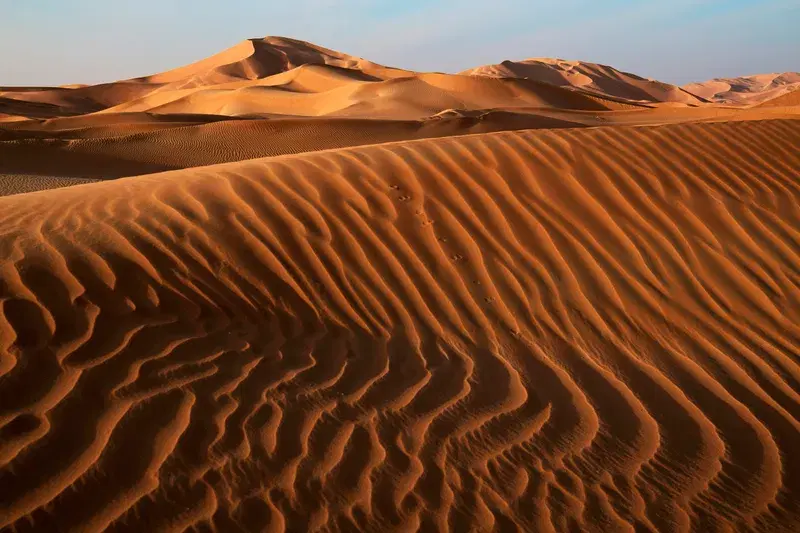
(54, 42)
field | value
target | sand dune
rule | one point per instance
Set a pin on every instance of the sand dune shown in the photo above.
(238, 81)
(326, 91)
(130, 144)
(249, 60)
(11, 184)
(331, 295)
(788, 98)
(260, 58)
(184, 146)
(278, 75)
(588, 330)
(747, 90)
(600, 79)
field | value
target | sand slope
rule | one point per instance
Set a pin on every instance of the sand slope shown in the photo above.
(583, 75)
(260, 58)
(287, 76)
(747, 90)
(573, 330)
(787, 99)
(328, 91)
(143, 152)
(249, 60)
(128, 144)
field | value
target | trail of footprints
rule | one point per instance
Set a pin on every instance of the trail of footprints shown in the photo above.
(599, 333)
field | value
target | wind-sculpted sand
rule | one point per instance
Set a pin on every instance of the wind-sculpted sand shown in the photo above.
(601, 79)
(747, 90)
(569, 330)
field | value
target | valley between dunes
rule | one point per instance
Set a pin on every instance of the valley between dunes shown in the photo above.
(547, 310)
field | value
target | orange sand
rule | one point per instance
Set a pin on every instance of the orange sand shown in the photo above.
(357, 301)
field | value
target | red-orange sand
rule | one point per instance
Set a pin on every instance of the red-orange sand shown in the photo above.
(329, 295)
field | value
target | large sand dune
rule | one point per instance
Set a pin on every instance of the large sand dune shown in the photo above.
(330, 295)
(601, 79)
(587, 330)
(248, 61)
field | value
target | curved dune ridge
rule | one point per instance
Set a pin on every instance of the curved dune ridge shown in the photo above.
(260, 58)
(573, 330)
(35, 155)
(284, 75)
(747, 90)
(114, 151)
(248, 61)
(593, 77)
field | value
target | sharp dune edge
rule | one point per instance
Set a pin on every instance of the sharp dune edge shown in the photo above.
(330, 295)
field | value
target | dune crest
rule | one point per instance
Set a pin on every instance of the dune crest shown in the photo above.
(260, 58)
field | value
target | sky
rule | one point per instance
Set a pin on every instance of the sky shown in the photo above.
(56, 42)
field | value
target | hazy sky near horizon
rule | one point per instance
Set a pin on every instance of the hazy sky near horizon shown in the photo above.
(55, 42)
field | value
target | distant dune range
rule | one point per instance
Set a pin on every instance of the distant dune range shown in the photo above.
(765, 89)
(329, 295)
(216, 110)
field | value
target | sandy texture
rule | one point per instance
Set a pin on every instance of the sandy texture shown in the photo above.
(543, 331)
(747, 90)
(134, 148)
(789, 98)
(21, 183)
(601, 79)
(392, 301)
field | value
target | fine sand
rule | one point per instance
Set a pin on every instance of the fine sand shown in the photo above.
(747, 90)
(406, 302)
(601, 79)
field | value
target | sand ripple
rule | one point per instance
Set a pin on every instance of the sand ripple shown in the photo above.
(574, 330)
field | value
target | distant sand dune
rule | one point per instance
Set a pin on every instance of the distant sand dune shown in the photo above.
(747, 90)
(260, 58)
(790, 98)
(332, 94)
(574, 330)
(600, 79)
(129, 144)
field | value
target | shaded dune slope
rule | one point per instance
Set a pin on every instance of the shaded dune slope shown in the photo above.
(538, 331)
